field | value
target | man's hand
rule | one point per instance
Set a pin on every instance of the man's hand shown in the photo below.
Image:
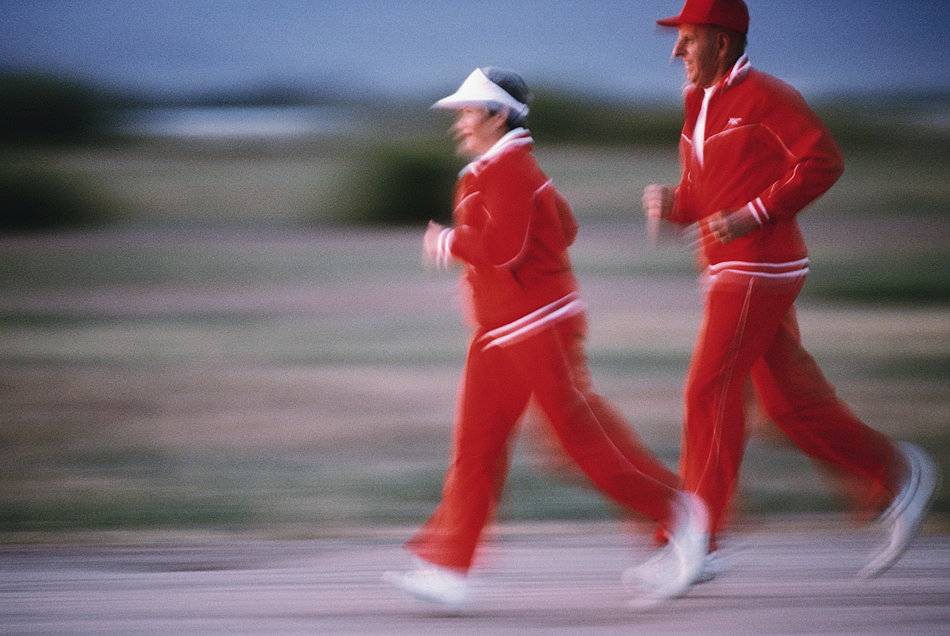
(657, 201)
(728, 225)
(657, 204)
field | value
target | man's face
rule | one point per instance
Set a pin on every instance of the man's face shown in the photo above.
(476, 131)
(699, 47)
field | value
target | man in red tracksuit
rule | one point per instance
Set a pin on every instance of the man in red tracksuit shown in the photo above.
(753, 155)
(511, 232)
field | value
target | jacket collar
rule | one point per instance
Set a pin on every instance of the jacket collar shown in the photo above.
(515, 138)
(512, 139)
(737, 73)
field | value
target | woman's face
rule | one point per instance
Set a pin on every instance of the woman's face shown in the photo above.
(476, 131)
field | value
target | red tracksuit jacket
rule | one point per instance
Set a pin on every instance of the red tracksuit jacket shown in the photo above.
(512, 230)
(765, 149)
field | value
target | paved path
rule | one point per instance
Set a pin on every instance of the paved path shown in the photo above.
(787, 576)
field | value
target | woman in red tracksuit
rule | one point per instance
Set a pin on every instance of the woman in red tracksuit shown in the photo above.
(753, 155)
(511, 232)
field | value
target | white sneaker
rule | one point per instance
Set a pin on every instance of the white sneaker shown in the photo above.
(713, 566)
(672, 571)
(433, 584)
(650, 573)
(904, 516)
(652, 570)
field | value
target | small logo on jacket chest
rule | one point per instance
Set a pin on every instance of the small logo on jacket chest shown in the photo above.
(734, 121)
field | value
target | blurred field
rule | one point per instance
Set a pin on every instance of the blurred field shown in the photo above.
(226, 359)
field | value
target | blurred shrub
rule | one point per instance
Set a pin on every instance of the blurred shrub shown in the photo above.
(898, 277)
(558, 117)
(39, 199)
(43, 109)
(402, 185)
(913, 124)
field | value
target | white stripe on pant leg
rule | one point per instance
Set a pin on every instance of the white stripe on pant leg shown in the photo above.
(718, 421)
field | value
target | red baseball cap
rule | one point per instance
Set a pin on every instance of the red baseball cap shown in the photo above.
(731, 14)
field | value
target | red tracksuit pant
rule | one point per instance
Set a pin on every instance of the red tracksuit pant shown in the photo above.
(498, 382)
(750, 329)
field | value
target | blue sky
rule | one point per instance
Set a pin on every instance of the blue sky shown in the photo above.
(407, 47)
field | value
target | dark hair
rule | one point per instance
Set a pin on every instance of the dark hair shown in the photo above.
(514, 85)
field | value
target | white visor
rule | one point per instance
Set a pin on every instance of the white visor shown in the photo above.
(478, 89)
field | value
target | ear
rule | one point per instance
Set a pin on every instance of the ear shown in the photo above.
(501, 117)
(723, 43)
